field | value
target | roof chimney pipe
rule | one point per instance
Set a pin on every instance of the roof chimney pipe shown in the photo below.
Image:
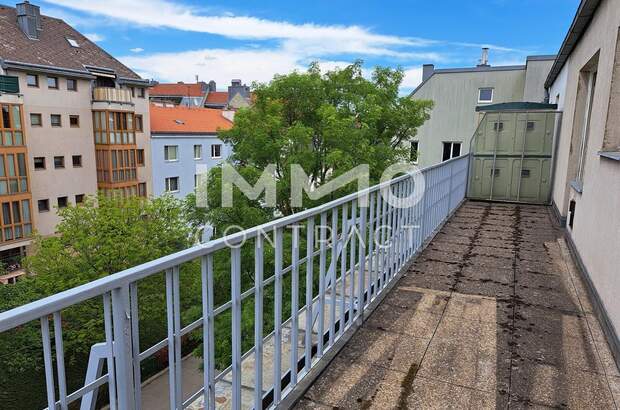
(427, 71)
(29, 19)
(484, 57)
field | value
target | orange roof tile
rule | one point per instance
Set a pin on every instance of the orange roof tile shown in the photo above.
(180, 89)
(217, 97)
(181, 120)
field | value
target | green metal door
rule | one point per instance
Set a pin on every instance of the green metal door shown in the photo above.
(512, 156)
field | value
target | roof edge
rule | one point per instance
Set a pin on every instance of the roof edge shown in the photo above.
(581, 22)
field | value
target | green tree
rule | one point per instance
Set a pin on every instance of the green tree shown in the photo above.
(101, 237)
(327, 123)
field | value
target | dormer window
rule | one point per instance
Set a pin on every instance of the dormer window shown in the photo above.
(73, 42)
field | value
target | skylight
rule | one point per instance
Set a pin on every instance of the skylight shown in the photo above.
(73, 42)
(180, 122)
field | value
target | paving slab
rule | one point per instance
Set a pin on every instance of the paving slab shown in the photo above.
(493, 314)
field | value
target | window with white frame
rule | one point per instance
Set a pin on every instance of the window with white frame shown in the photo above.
(171, 152)
(590, 80)
(451, 150)
(172, 184)
(216, 151)
(197, 151)
(485, 95)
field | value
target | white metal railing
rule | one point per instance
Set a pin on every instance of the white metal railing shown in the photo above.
(351, 272)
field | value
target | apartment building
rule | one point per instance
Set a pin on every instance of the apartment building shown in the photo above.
(456, 92)
(74, 121)
(585, 83)
(201, 94)
(184, 144)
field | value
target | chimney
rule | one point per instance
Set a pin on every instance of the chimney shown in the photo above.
(484, 57)
(29, 19)
(427, 71)
(212, 86)
(236, 88)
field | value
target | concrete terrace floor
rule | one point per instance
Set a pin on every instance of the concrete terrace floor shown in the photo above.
(493, 314)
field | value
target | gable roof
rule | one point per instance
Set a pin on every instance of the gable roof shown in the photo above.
(184, 120)
(578, 27)
(217, 97)
(177, 89)
(52, 50)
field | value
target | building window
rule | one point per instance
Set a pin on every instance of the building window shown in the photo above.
(498, 126)
(35, 120)
(590, 81)
(74, 121)
(77, 161)
(197, 151)
(140, 155)
(11, 132)
(52, 82)
(133, 92)
(139, 125)
(529, 126)
(79, 198)
(171, 152)
(216, 151)
(39, 162)
(32, 80)
(16, 221)
(56, 120)
(485, 95)
(114, 127)
(142, 189)
(141, 93)
(13, 175)
(62, 202)
(59, 162)
(44, 205)
(71, 84)
(172, 184)
(414, 151)
(451, 150)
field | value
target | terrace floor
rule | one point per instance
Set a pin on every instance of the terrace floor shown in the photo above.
(493, 314)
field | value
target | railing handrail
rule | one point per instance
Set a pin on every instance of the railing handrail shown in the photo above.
(53, 303)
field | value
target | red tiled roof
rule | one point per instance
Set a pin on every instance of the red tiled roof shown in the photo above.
(217, 97)
(52, 47)
(177, 89)
(187, 120)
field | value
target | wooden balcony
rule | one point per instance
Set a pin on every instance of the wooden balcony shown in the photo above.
(109, 94)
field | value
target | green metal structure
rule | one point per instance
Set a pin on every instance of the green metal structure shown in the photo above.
(512, 153)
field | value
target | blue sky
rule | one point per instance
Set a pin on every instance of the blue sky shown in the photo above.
(174, 40)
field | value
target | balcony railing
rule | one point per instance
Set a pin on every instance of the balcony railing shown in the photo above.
(370, 247)
(9, 84)
(109, 94)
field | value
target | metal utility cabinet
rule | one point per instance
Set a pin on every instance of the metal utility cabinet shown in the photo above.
(512, 153)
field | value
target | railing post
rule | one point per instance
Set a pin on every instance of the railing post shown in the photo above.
(362, 264)
(277, 332)
(258, 322)
(208, 339)
(235, 290)
(122, 348)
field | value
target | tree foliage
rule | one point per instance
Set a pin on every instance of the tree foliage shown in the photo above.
(327, 123)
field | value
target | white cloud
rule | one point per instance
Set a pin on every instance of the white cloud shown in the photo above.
(324, 39)
(94, 37)
(220, 65)
(413, 78)
(136, 50)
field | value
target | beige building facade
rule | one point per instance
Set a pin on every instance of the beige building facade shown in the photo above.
(77, 122)
(456, 92)
(585, 82)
